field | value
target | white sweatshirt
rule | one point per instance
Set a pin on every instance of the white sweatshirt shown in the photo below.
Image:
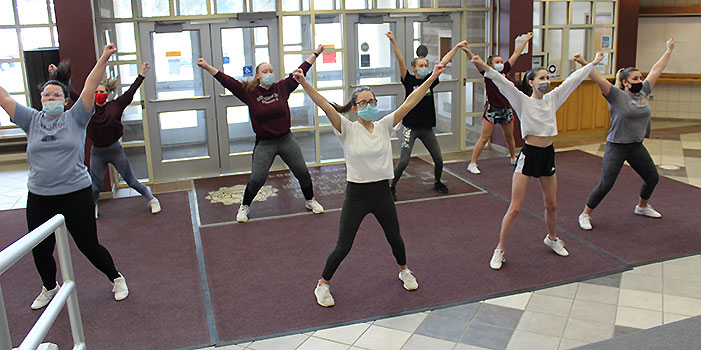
(537, 116)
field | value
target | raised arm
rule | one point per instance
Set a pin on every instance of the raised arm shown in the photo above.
(560, 93)
(397, 54)
(449, 56)
(319, 100)
(204, 65)
(603, 83)
(519, 49)
(506, 87)
(128, 95)
(8, 103)
(93, 79)
(312, 58)
(659, 66)
(415, 97)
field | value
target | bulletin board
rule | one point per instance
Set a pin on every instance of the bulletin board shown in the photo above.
(653, 32)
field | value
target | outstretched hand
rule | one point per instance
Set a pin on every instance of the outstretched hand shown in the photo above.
(579, 59)
(110, 49)
(144, 68)
(202, 63)
(529, 36)
(298, 76)
(390, 35)
(320, 48)
(463, 44)
(670, 44)
(52, 68)
(598, 58)
(437, 70)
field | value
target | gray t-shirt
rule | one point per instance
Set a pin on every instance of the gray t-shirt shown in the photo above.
(55, 149)
(630, 115)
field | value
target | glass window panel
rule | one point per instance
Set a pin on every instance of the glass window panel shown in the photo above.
(330, 148)
(295, 5)
(262, 55)
(232, 42)
(386, 104)
(10, 46)
(444, 111)
(34, 38)
(297, 33)
(192, 7)
(55, 31)
(328, 31)
(7, 13)
(472, 72)
(241, 136)
(426, 3)
(558, 12)
(229, 6)
(292, 62)
(323, 4)
(555, 50)
(376, 64)
(603, 39)
(129, 57)
(154, 8)
(128, 74)
(133, 125)
(126, 39)
(333, 96)
(538, 13)
(183, 134)
(362, 4)
(581, 12)
(476, 3)
(473, 130)
(52, 11)
(449, 3)
(390, 4)
(174, 69)
(115, 9)
(475, 97)
(261, 35)
(477, 27)
(578, 44)
(329, 70)
(32, 12)
(307, 143)
(604, 13)
(537, 40)
(137, 160)
(301, 109)
(262, 5)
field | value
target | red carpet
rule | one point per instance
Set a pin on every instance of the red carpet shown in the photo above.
(617, 230)
(281, 194)
(262, 274)
(155, 253)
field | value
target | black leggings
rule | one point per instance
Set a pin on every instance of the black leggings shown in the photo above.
(614, 156)
(362, 199)
(79, 210)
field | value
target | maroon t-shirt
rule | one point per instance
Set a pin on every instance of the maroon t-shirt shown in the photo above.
(268, 108)
(494, 97)
(105, 126)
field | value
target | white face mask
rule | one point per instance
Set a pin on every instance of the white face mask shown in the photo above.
(499, 67)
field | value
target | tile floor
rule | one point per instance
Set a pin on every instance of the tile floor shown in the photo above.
(561, 317)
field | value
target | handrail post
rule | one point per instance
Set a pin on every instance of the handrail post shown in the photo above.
(64, 259)
(5, 341)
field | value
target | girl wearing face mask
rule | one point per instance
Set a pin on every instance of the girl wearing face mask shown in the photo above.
(420, 121)
(105, 130)
(630, 124)
(497, 109)
(535, 107)
(59, 182)
(270, 119)
(368, 152)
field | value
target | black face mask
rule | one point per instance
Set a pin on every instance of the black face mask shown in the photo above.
(635, 88)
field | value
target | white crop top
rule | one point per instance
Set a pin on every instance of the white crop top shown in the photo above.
(537, 116)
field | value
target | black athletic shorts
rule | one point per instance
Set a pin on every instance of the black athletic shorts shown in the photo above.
(536, 161)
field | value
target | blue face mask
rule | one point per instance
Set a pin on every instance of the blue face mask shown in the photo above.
(267, 79)
(368, 113)
(422, 72)
(52, 107)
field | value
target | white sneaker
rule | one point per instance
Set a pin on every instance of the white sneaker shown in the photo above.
(558, 246)
(323, 295)
(512, 161)
(408, 279)
(119, 287)
(314, 206)
(242, 215)
(44, 297)
(472, 167)
(497, 259)
(95, 211)
(585, 222)
(647, 211)
(155, 206)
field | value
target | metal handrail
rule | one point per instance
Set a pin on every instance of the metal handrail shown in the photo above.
(66, 294)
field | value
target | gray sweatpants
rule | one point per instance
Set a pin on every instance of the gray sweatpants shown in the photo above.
(614, 156)
(264, 153)
(114, 153)
(430, 142)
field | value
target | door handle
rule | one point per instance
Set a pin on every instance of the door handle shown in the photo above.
(181, 99)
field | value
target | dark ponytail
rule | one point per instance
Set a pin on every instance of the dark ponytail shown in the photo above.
(524, 86)
(354, 96)
(61, 76)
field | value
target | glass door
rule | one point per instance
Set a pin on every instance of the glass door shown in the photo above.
(181, 113)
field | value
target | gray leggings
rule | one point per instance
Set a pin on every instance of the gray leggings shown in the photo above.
(430, 142)
(614, 156)
(264, 153)
(114, 153)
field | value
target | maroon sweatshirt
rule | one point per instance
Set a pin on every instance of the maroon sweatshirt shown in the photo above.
(105, 126)
(268, 108)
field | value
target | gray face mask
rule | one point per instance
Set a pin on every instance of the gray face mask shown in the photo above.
(544, 87)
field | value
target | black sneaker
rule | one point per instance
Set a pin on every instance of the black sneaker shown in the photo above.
(393, 190)
(440, 187)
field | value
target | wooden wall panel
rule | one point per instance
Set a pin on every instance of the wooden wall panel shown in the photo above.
(585, 111)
